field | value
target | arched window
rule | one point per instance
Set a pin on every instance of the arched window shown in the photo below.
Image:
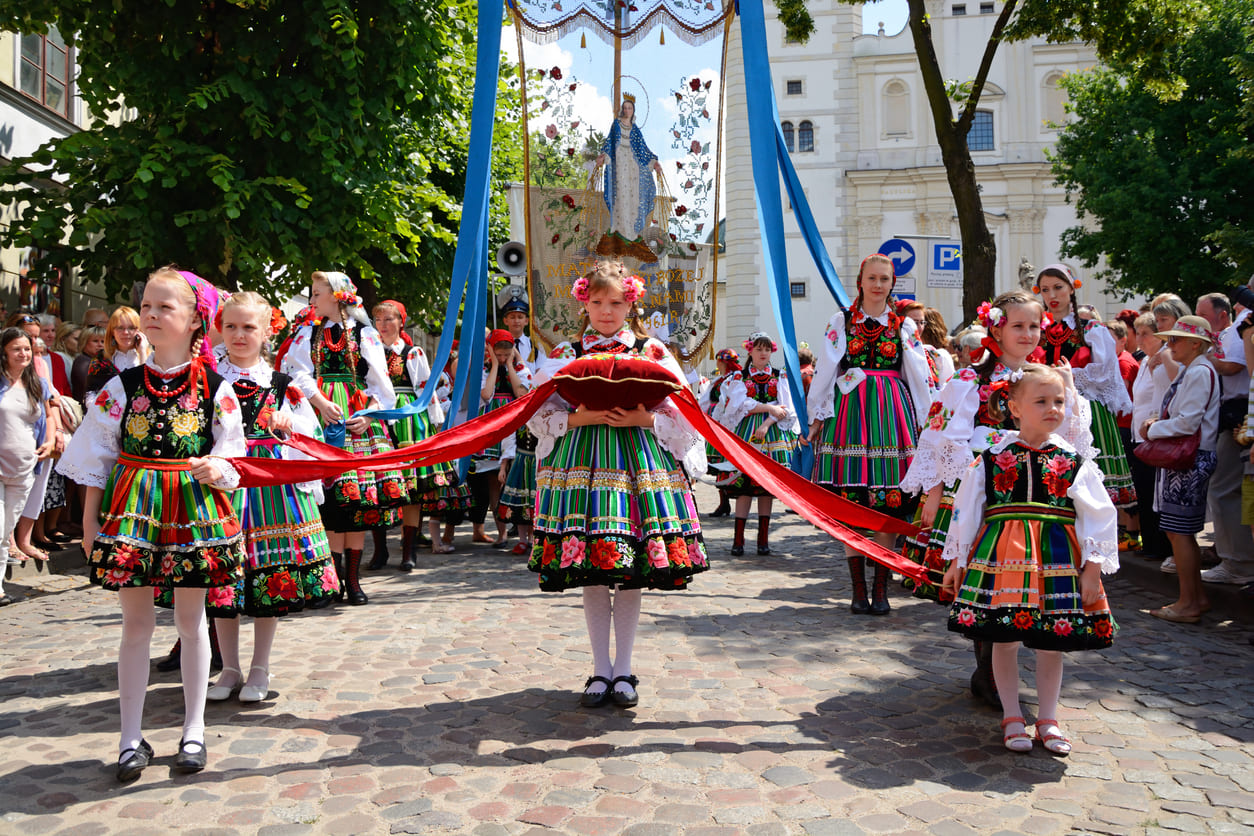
(805, 136)
(981, 136)
(787, 126)
(1053, 102)
(896, 108)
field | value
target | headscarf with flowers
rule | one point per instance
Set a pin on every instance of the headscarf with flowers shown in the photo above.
(760, 336)
(345, 292)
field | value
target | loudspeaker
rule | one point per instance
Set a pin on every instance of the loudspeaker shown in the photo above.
(511, 258)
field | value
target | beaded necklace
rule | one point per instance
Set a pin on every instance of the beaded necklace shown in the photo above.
(164, 393)
(322, 343)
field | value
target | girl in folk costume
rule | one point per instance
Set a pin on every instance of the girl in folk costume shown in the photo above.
(1032, 531)
(867, 399)
(431, 489)
(287, 560)
(1090, 349)
(158, 515)
(614, 508)
(124, 348)
(728, 365)
(337, 362)
(505, 378)
(757, 406)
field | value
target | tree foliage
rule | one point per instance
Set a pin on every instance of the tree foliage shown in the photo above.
(269, 138)
(1157, 178)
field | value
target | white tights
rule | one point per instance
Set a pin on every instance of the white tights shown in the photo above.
(1048, 680)
(228, 642)
(138, 622)
(624, 613)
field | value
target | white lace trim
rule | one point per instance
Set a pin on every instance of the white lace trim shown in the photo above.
(230, 476)
(1105, 552)
(679, 439)
(549, 423)
(1112, 394)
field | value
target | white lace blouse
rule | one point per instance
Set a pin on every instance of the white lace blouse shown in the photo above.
(94, 448)
(298, 363)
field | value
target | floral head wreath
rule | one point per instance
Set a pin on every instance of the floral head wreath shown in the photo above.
(760, 335)
(633, 289)
(277, 321)
(990, 316)
(1060, 271)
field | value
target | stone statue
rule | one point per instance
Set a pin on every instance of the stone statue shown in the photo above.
(1027, 274)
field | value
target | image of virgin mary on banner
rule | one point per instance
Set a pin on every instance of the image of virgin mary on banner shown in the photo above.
(620, 134)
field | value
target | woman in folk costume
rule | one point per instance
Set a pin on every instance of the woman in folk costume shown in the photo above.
(867, 400)
(614, 507)
(287, 560)
(757, 406)
(431, 489)
(1090, 349)
(728, 364)
(337, 362)
(1032, 532)
(158, 515)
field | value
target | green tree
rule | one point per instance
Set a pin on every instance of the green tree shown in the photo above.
(1136, 31)
(268, 139)
(1236, 240)
(1158, 178)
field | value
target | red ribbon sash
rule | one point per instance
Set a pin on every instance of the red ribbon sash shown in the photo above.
(824, 509)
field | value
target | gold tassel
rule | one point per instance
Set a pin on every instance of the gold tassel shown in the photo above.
(583, 40)
(662, 40)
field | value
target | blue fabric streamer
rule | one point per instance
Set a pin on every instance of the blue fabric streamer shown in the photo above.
(763, 127)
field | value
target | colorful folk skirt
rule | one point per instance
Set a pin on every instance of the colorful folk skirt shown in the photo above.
(778, 445)
(518, 496)
(424, 485)
(1112, 460)
(1022, 584)
(925, 548)
(287, 561)
(613, 508)
(161, 528)
(864, 450)
(360, 499)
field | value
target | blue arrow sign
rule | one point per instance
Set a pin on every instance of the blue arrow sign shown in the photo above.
(901, 253)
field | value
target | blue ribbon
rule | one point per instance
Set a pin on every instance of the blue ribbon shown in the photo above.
(763, 127)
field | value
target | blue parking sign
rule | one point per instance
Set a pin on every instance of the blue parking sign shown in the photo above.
(947, 257)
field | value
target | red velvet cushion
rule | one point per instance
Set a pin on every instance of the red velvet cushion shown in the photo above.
(605, 381)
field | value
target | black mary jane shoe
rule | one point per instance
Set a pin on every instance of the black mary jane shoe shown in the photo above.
(598, 699)
(134, 761)
(628, 698)
(192, 756)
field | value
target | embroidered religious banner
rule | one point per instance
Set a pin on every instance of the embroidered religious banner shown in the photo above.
(621, 156)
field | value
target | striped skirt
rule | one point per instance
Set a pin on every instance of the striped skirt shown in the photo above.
(424, 485)
(864, 450)
(518, 496)
(776, 444)
(490, 457)
(287, 561)
(926, 547)
(161, 528)
(613, 508)
(360, 499)
(1022, 584)
(1112, 460)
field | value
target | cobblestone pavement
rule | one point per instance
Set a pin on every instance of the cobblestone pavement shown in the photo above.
(449, 704)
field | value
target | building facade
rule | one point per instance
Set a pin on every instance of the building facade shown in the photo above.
(38, 102)
(855, 114)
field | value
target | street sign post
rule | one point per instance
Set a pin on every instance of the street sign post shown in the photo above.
(901, 253)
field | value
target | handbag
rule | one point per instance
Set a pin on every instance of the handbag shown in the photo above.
(1177, 452)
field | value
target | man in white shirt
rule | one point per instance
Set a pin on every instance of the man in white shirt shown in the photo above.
(1233, 541)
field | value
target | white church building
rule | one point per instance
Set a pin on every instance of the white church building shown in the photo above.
(855, 112)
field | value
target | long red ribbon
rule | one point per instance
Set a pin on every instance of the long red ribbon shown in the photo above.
(829, 512)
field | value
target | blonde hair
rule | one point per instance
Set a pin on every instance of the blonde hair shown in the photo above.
(249, 299)
(64, 330)
(609, 275)
(128, 316)
(1027, 373)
